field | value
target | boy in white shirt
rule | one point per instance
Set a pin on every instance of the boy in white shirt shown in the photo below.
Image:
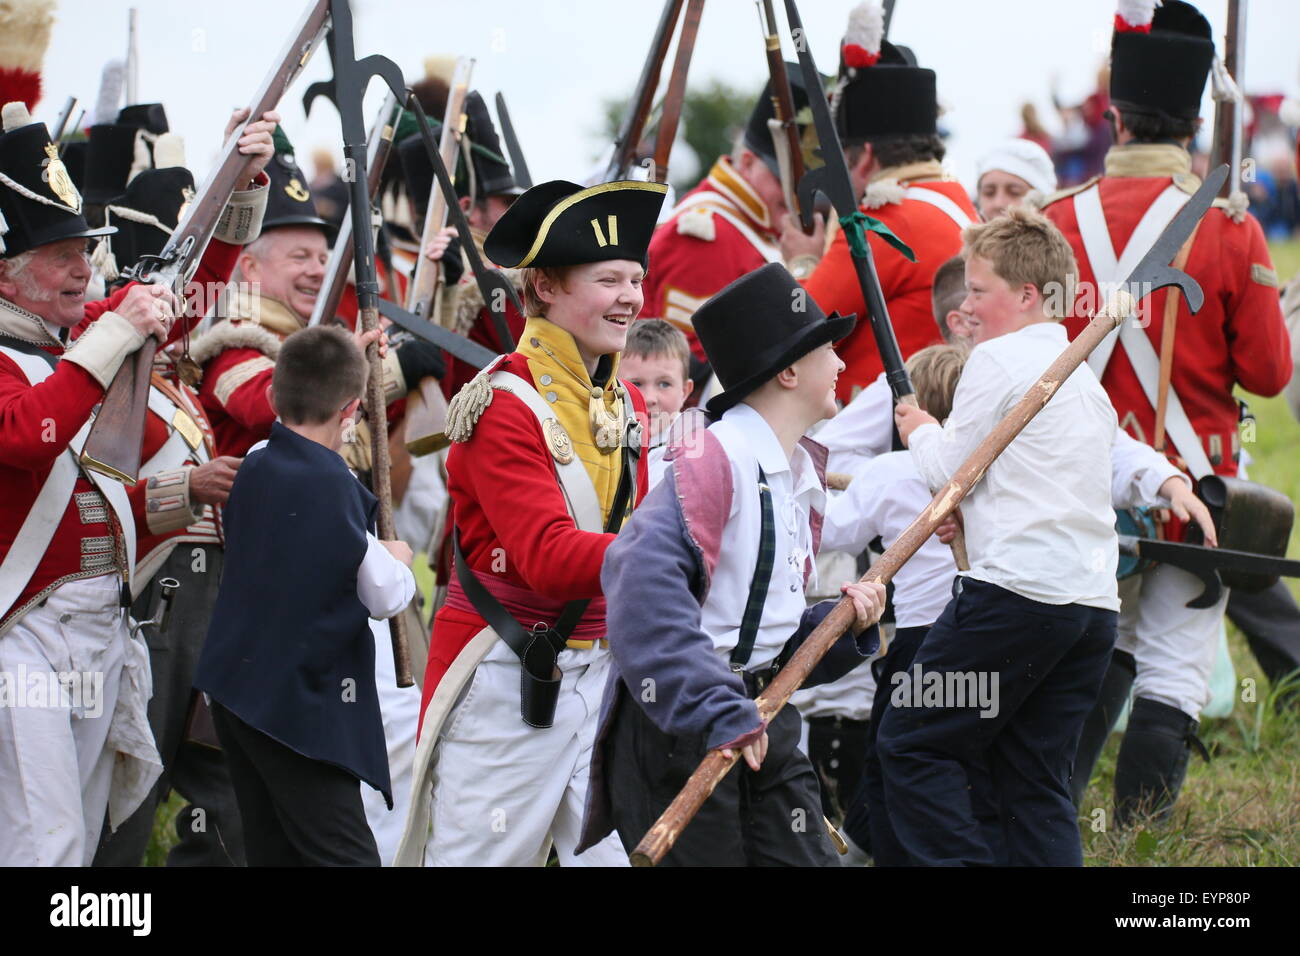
(1035, 620)
(705, 590)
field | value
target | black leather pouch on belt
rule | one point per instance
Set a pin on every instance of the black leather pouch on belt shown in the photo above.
(1248, 517)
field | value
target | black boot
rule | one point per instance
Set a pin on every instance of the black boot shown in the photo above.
(1152, 761)
(1115, 687)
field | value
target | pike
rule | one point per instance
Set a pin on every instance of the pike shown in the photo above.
(784, 129)
(351, 76)
(675, 96)
(114, 443)
(522, 177)
(833, 180)
(629, 133)
(379, 146)
(1152, 273)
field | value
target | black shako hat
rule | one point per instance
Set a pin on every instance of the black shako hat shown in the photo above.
(289, 202)
(563, 224)
(38, 202)
(888, 99)
(1159, 68)
(488, 173)
(110, 158)
(150, 117)
(148, 212)
(758, 137)
(758, 325)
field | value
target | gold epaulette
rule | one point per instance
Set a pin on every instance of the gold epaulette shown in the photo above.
(467, 406)
(1067, 192)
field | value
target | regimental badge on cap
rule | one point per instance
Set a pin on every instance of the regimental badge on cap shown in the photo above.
(296, 190)
(56, 175)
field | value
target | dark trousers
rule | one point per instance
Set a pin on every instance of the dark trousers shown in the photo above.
(1047, 663)
(296, 811)
(771, 817)
(1271, 622)
(208, 828)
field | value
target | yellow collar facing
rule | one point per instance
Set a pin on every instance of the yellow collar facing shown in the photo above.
(1150, 159)
(724, 178)
(271, 314)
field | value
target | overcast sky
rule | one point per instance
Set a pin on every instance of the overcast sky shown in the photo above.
(556, 60)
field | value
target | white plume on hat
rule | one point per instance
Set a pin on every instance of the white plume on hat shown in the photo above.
(861, 44)
(110, 91)
(15, 115)
(169, 150)
(1023, 158)
(1135, 15)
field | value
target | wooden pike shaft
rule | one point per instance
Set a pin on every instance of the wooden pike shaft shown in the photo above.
(381, 466)
(661, 837)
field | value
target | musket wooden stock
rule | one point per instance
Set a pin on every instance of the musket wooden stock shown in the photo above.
(784, 112)
(661, 837)
(671, 113)
(114, 443)
(629, 134)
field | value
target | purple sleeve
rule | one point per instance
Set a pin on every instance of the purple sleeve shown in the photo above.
(845, 654)
(652, 578)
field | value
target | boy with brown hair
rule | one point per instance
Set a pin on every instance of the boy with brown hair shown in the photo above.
(289, 661)
(657, 360)
(1036, 614)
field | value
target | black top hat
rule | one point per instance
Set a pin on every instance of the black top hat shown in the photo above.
(110, 156)
(1162, 73)
(562, 224)
(148, 212)
(150, 117)
(289, 201)
(39, 203)
(889, 99)
(758, 138)
(758, 325)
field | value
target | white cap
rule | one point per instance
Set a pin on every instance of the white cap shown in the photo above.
(1023, 158)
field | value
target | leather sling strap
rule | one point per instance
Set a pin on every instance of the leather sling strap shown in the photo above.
(1167, 333)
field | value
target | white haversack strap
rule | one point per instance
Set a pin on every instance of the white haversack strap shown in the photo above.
(579, 492)
(941, 202)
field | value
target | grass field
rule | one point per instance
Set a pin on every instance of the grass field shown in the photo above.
(1242, 808)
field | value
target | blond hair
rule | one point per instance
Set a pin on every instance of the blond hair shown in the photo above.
(534, 305)
(935, 372)
(1023, 246)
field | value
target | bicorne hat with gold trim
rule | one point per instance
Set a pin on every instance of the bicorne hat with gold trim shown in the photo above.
(563, 224)
(289, 202)
(38, 202)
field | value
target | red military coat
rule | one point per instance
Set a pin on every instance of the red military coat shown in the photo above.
(933, 234)
(59, 406)
(1238, 337)
(719, 232)
(514, 523)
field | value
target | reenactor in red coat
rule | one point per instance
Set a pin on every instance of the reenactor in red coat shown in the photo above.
(886, 112)
(1158, 73)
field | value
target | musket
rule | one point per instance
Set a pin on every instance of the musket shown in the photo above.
(379, 146)
(114, 443)
(67, 137)
(629, 133)
(423, 291)
(351, 77)
(1152, 273)
(675, 96)
(522, 177)
(790, 159)
(1228, 82)
(61, 124)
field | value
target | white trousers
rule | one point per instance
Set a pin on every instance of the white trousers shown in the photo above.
(1174, 646)
(400, 709)
(63, 665)
(503, 791)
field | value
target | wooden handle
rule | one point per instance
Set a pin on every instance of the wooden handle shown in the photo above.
(660, 838)
(114, 444)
